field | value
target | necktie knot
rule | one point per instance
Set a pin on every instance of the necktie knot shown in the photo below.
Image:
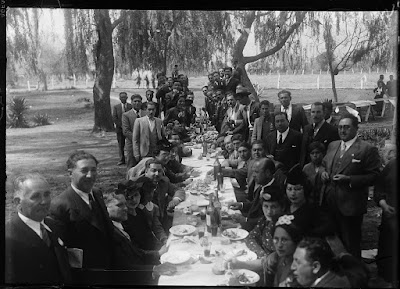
(45, 235)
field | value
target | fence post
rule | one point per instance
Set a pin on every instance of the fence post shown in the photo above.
(52, 82)
(377, 70)
(279, 79)
(74, 80)
(318, 82)
(29, 86)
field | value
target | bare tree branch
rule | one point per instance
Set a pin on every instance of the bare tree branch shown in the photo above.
(280, 43)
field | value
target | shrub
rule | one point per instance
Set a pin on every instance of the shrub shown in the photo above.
(17, 112)
(41, 119)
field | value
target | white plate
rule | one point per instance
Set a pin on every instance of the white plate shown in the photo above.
(252, 276)
(182, 230)
(248, 256)
(235, 234)
(175, 257)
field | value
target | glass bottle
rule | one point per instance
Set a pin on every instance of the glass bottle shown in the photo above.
(210, 213)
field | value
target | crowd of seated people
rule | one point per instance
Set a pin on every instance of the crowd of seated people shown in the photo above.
(301, 188)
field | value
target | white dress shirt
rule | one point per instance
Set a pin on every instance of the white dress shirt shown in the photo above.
(284, 135)
(152, 123)
(288, 111)
(348, 143)
(149, 206)
(329, 120)
(84, 196)
(316, 130)
(34, 225)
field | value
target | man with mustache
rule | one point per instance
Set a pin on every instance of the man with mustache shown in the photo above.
(34, 252)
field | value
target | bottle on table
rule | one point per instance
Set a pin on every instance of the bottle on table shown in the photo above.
(220, 181)
(217, 206)
(217, 168)
(210, 213)
(205, 149)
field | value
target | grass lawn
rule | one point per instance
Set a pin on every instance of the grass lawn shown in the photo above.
(45, 149)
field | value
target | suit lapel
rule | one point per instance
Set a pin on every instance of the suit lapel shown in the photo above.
(27, 232)
(348, 155)
(274, 144)
(332, 156)
(79, 205)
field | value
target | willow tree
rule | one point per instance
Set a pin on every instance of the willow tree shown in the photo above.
(272, 29)
(24, 38)
(155, 39)
(104, 63)
(349, 37)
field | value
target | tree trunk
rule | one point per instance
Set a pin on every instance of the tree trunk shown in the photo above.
(333, 82)
(42, 83)
(104, 62)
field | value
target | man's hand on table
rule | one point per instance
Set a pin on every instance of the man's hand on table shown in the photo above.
(163, 250)
(235, 205)
(164, 269)
(238, 218)
(195, 173)
(173, 203)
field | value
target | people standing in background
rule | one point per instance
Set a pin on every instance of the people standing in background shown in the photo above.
(295, 113)
(328, 109)
(351, 165)
(128, 121)
(391, 87)
(149, 97)
(118, 110)
(262, 125)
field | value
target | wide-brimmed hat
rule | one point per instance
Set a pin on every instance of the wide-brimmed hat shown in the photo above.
(242, 91)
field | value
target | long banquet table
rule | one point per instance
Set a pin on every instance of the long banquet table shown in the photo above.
(193, 272)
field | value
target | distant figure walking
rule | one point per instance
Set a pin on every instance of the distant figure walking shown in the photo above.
(146, 78)
(138, 80)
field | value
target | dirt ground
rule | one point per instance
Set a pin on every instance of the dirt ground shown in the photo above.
(45, 149)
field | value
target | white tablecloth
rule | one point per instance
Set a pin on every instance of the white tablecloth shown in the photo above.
(195, 273)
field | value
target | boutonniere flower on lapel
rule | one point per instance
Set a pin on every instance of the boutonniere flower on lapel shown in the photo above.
(355, 161)
(60, 242)
(285, 219)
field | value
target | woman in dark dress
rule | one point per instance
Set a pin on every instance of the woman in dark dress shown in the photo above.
(143, 225)
(297, 191)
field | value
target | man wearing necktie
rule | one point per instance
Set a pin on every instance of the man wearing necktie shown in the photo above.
(131, 265)
(128, 121)
(295, 113)
(34, 252)
(283, 144)
(118, 110)
(352, 165)
(319, 130)
(83, 220)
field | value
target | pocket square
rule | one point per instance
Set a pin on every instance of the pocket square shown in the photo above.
(293, 146)
(355, 161)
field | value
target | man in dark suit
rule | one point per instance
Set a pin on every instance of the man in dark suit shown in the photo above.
(229, 82)
(128, 120)
(82, 217)
(149, 97)
(34, 252)
(251, 110)
(283, 143)
(131, 265)
(295, 113)
(118, 110)
(319, 130)
(328, 109)
(312, 265)
(251, 208)
(352, 165)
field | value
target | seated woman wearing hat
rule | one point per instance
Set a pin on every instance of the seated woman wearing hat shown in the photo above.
(275, 267)
(318, 223)
(142, 225)
(273, 205)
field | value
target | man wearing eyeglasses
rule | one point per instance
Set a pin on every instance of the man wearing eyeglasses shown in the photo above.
(352, 165)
